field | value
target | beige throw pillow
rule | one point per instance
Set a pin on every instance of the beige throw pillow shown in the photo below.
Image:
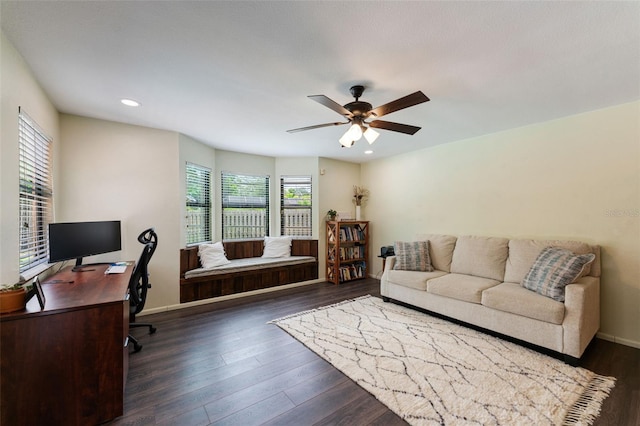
(277, 247)
(212, 255)
(554, 269)
(412, 256)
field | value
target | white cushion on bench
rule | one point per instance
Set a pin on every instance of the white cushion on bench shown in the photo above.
(249, 264)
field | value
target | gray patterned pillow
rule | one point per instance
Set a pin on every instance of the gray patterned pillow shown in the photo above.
(412, 256)
(553, 270)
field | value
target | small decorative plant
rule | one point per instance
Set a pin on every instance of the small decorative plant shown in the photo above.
(12, 297)
(11, 287)
(360, 194)
(331, 214)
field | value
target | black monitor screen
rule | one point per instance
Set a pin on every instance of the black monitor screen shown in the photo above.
(75, 240)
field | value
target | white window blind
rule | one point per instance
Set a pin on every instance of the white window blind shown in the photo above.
(295, 206)
(36, 192)
(198, 219)
(245, 206)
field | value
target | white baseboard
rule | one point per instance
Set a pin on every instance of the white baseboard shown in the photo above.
(228, 297)
(620, 340)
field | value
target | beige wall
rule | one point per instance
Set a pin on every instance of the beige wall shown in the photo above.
(335, 190)
(113, 171)
(337, 181)
(572, 178)
(18, 89)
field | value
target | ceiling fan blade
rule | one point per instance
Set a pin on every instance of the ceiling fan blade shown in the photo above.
(317, 126)
(331, 104)
(406, 102)
(394, 127)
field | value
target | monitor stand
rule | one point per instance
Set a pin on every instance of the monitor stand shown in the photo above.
(80, 267)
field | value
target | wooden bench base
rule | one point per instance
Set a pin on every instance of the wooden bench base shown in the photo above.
(239, 282)
(199, 288)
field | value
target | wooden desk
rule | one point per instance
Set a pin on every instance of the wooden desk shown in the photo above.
(68, 363)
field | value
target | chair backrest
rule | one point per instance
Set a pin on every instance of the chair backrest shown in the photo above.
(139, 283)
(149, 236)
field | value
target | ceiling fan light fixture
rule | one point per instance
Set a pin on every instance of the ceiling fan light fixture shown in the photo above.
(371, 135)
(355, 131)
(346, 140)
(358, 111)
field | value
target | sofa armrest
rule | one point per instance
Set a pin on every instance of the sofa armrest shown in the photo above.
(390, 261)
(582, 316)
(388, 265)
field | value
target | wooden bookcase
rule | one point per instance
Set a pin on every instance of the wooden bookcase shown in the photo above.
(347, 250)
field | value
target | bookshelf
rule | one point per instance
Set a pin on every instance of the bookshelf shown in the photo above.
(347, 250)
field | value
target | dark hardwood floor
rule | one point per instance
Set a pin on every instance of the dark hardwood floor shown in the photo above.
(222, 363)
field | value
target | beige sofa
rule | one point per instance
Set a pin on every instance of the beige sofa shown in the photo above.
(477, 280)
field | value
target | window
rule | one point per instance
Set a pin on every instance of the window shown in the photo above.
(245, 206)
(295, 206)
(198, 217)
(36, 192)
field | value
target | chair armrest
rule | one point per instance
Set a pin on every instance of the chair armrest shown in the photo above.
(582, 316)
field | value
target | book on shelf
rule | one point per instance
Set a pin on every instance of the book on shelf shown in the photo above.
(352, 233)
(350, 253)
(353, 271)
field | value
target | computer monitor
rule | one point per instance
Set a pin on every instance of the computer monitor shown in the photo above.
(75, 240)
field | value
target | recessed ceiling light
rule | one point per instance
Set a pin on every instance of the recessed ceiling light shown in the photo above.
(130, 102)
(368, 152)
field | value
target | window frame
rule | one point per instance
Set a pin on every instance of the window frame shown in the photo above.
(303, 182)
(203, 233)
(35, 194)
(255, 196)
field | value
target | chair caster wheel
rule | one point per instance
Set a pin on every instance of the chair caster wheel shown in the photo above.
(152, 330)
(137, 348)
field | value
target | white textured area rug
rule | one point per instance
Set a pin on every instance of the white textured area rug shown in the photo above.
(432, 372)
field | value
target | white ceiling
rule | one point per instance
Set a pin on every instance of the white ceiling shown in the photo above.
(236, 75)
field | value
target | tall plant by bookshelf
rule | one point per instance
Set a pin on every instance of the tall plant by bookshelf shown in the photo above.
(347, 250)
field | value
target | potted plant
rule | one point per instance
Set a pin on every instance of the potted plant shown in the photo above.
(331, 214)
(12, 297)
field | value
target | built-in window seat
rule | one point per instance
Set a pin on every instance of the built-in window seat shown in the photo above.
(247, 271)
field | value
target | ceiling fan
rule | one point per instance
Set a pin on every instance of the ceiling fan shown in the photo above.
(358, 111)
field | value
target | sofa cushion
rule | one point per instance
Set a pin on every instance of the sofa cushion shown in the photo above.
(440, 249)
(462, 287)
(412, 279)
(554, 269)
(513, 298)
(522, 254)
(480, 256)
(212, 255)
(412, 256)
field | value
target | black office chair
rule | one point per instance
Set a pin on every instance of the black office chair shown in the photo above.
(139, 283)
